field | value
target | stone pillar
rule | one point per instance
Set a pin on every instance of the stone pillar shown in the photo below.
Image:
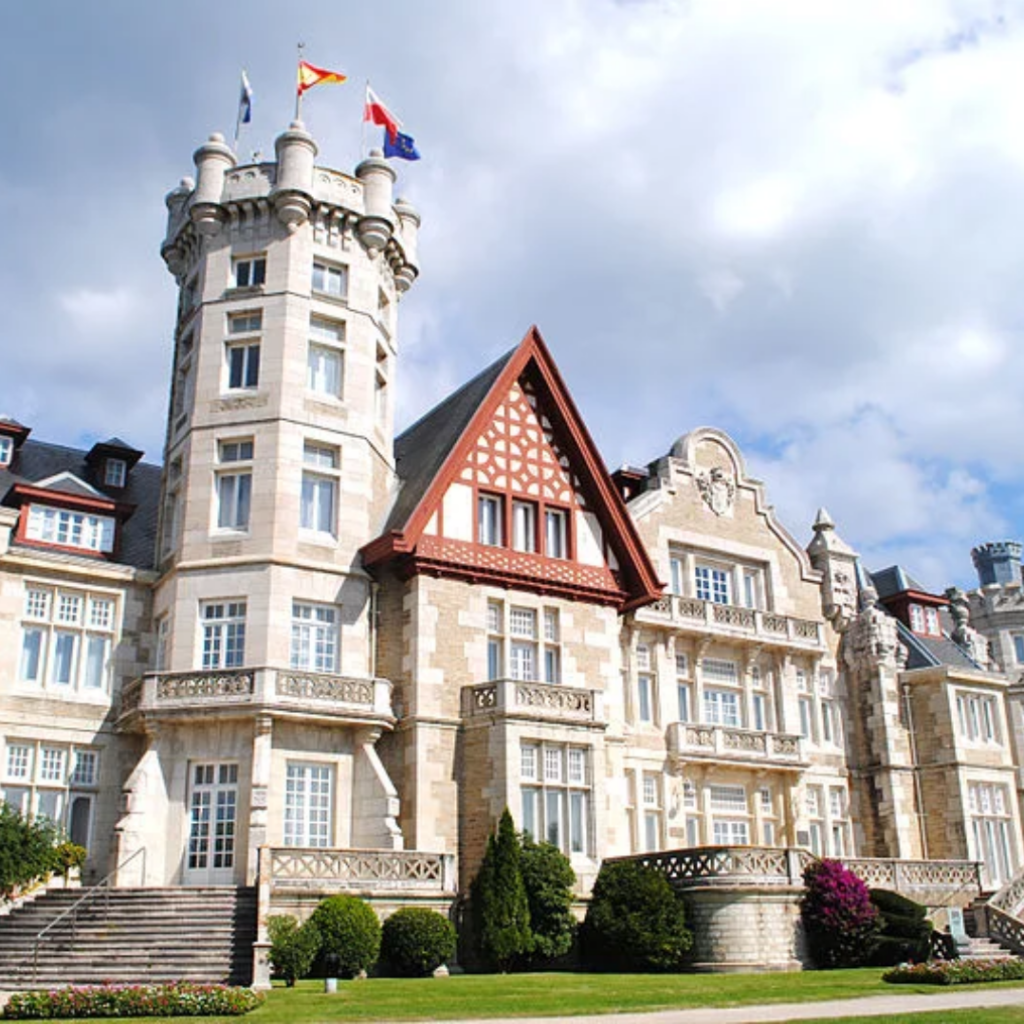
(259, 789)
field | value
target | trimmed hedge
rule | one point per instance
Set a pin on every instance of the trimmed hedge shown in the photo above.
(349, 930)
(181, 999)
(415, 941)
(635, 921)
(956, 972)
(905, 930)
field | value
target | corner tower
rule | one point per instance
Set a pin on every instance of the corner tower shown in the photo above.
(278, 467)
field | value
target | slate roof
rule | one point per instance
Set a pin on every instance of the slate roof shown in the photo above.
(895, 580)
(420, 451)
(36, 461)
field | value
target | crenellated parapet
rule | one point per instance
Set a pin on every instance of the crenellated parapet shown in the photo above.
(293, 192)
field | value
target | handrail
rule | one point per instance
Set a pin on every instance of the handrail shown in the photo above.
(104, 884)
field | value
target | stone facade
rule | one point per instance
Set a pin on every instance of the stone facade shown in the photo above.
(341, 654)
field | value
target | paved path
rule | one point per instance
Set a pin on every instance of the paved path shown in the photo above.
(969, 997)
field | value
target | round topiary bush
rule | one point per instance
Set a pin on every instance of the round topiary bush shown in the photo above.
(293, 947)
(635, 921)
(416, 941)
(349, 930)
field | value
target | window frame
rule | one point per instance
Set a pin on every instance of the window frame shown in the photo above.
(315, 644)
(319, 476)
(255, 270)
(222, 636)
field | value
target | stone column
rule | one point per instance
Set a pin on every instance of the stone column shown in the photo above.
(259, 791)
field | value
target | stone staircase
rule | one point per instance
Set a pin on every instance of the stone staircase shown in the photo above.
(982, 947)
(142, 935)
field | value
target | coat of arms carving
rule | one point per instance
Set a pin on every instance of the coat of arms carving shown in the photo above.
(717, 489)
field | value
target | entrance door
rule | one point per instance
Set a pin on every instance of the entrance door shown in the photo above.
(213, 805)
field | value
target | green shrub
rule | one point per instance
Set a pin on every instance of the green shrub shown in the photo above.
(416, 941)
(293, 947)
(840, 922)
(635, 921)
(548, 878)
(27, 850)
(956, 972)
(905, 933)
(67, 856)
(500, 907)
(349, 930)
(181, 999)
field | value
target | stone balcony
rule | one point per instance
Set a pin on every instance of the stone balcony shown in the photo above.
(723, 744)
(550, 702)
(255, 690)
(769, 629)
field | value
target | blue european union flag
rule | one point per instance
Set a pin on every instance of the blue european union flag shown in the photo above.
(402, 146)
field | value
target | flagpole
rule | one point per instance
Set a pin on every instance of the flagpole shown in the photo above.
(298, 91)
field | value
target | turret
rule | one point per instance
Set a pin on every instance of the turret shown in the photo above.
(409, 225)
(292, 196)
(213, 160)
(837, 562)
(377, 224)
(997, 561)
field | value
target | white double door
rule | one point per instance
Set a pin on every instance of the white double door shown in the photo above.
(213, 823)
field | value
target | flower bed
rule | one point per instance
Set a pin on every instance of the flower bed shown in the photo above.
(180, 999)
(956, 972)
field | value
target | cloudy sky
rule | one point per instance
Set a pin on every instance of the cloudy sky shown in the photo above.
(798, 220)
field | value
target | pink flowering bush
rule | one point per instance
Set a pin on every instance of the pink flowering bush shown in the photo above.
(956, 972)
(840, 922)
(180, 999)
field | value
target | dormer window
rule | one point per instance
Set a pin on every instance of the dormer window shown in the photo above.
(115, 473)
(6, 451)
(925, 620)
(70, 529)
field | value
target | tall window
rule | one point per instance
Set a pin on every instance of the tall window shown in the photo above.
(330, 279)
(319, 489)
(314, 637)
(70, 529)
(380, 386)
(556, 790)
(524, 526)
(243, 349)
(490, 516)
(308, 818)
(684, 692)
(223, 634)
(730, 823)
(991, 830)
(831, 722)
(644, 684)
(249, 271)
(66, 639)
(805, 703)
(234, 484)
(533, 651)
(977, 717)
(54, 781)
(839, 825)
(721, 692)
(326, 357)
(6, 451)
(814, 801)
(163, 640)
(651, 786)
(1018, 648)
(556, 533)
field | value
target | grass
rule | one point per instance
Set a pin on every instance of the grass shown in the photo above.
(567, 995)
(995, 1015)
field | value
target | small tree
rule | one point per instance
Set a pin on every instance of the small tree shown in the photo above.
(416, 941)
(499, 900)
(840, 922)
(349, 930)
(27, 850)
(635, 921)
(293, 947)
(548, 878)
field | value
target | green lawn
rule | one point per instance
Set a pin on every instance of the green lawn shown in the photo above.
(995, 1015)
(567, 995)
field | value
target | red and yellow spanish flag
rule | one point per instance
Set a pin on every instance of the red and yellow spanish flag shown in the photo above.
(310, 76)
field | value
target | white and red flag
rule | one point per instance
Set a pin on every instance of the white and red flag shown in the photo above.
(377, 113)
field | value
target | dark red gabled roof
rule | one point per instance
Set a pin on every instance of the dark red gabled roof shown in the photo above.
(430, 454)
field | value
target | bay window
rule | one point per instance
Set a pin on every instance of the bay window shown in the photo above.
(556, 801)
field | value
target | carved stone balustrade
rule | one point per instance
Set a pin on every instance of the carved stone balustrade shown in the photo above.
(687, 742)
(728, 865)
(255, 690)
(690, 614)
(370, 872)
(519, 699)
(933, 882)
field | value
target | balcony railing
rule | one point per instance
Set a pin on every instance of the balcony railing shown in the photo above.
(371, 872)
(262, 688)
(532, 700)
(720, 742)
(732, 620)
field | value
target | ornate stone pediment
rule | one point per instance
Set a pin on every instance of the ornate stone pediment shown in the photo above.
(718, 489)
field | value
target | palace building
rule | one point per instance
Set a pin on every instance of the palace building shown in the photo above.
(306, 655)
